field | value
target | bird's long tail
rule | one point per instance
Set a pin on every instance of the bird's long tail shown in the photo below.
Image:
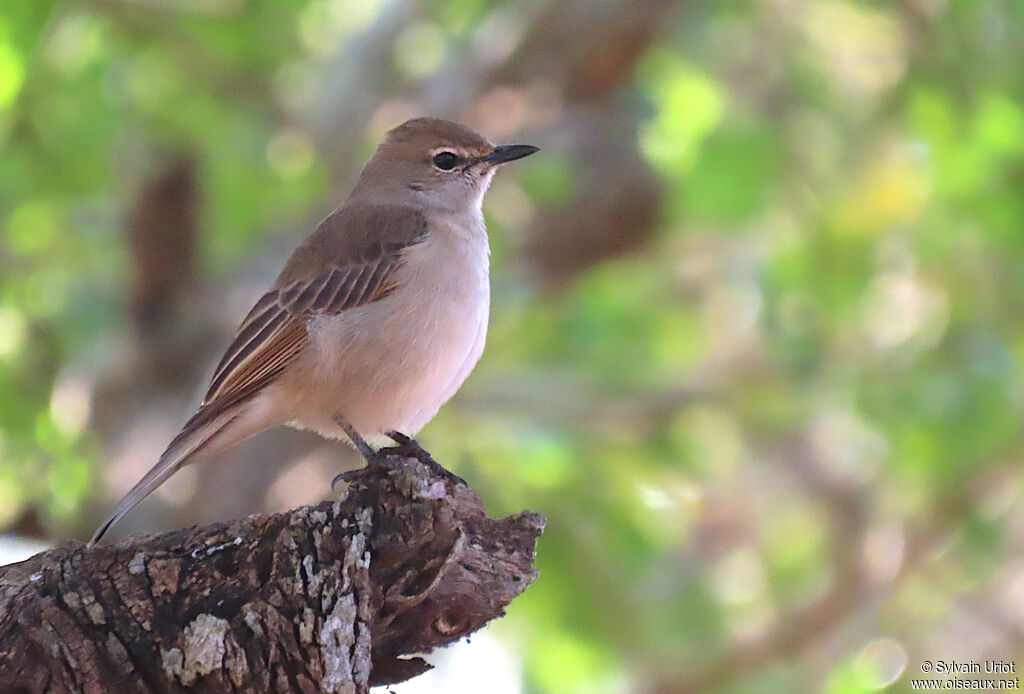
(196, 437)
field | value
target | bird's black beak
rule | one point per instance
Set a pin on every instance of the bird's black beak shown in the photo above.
(507, 153)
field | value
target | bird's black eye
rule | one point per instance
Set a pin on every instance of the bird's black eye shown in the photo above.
(446, 161)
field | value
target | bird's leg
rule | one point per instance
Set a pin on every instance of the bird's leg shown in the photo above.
(406, 442)
(364, 448)
(373, 458)
(408, 447)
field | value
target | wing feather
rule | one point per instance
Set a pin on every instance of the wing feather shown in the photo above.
(359, 288)
(268, 362)
(335, 280)
(274, 333)
(312, 290)
(256, 335)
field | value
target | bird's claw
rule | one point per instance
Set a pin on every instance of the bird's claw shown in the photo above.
(408, 448)
(338, 479)
(376, 462)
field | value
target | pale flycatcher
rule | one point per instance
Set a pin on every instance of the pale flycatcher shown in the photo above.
(377, 318)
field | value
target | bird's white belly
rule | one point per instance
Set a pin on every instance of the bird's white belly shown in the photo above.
(392, 364)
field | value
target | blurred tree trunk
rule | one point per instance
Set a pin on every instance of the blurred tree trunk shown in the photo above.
(162, 225)
(590, 50)
(159, 358)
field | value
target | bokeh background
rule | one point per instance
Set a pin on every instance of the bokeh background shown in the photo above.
(757, 343)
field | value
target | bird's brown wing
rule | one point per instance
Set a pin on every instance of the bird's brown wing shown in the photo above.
(274, 332)
(357, 250)
(354, 254)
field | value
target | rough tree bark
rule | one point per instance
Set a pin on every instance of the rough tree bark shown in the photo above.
(331, 597)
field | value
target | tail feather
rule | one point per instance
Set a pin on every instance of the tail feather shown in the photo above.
(196, 436)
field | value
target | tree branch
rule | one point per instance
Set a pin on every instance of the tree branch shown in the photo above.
(330, 597)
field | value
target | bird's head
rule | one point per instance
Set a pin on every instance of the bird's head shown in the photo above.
(435, 164)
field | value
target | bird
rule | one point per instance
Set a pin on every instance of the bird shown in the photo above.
(377, 318)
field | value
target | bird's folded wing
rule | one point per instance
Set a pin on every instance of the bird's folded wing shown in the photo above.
(274, 332)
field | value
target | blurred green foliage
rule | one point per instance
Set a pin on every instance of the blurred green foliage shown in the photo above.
(798, 408)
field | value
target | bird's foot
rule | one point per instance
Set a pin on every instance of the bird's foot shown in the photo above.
(376, 462)
(340, 478)
(408, 448)
(382, 460)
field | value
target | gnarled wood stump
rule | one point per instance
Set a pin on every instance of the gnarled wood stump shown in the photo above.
(330, 597)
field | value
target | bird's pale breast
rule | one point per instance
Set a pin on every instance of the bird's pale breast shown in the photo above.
(392, 364)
